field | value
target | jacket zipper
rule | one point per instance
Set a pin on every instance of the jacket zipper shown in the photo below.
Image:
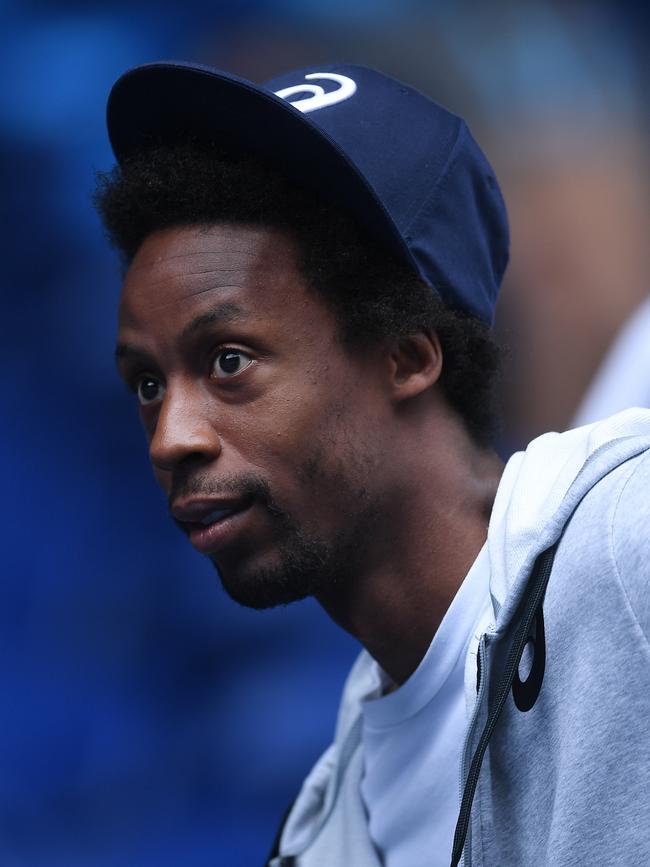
(534, 599)
(472, 724)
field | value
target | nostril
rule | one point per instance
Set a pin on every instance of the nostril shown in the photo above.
(168, 457)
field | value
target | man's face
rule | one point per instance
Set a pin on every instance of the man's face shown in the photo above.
(266, 435)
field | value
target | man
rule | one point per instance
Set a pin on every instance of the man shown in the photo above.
(312, 268)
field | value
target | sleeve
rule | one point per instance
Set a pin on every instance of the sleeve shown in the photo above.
(630, 539)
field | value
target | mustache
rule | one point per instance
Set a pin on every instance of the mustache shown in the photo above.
(244, 487)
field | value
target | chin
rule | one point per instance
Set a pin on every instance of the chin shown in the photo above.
(296, 573)
(264, 587)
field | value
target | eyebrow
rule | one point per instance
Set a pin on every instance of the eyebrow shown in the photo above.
(222, 314)
(126, 351)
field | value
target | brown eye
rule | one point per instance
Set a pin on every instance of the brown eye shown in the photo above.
(149, 390)
(230, 362)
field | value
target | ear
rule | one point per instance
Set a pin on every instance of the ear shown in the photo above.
(415, 364)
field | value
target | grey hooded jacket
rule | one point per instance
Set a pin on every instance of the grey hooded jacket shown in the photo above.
(565, 778)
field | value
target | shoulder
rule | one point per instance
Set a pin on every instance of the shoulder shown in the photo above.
(630, 537)
(631, 511)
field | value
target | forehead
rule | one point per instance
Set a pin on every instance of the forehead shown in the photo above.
(179, 273)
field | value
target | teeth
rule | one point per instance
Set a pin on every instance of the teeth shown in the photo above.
(215, 516)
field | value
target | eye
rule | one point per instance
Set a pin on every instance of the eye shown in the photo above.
(230, 362)
(149, 390)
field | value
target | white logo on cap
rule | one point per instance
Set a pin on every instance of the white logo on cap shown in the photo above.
(319, 98)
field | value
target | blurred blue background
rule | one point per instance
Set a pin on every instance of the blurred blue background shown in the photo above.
(145, 718)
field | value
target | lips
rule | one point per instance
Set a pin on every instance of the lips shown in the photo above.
(212, 524)
(205, 510)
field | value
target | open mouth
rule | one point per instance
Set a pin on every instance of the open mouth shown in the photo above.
(215, 516)
(204, 512)
(211, 529)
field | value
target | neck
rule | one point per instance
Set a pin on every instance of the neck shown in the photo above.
(420, 555)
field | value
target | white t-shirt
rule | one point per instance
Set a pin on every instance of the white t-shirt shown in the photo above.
(413, 738)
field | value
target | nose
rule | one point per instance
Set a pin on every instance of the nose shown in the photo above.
(183, 431)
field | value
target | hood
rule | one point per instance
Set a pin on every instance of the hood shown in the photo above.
(539, 491)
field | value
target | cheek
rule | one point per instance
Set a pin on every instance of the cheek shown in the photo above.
(335, 453)
(277, 438)
(303, 432)
(281, 422)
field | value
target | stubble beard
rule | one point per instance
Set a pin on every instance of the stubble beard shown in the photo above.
(303, 565)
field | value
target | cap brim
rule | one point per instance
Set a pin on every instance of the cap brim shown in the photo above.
(167, 102)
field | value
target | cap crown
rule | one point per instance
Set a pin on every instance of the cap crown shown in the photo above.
(407, 169)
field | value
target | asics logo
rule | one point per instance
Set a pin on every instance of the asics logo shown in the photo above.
(319, 98)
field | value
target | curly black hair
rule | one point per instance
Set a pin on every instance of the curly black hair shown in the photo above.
(373, 294)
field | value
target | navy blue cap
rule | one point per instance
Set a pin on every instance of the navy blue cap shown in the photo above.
(407, 169)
